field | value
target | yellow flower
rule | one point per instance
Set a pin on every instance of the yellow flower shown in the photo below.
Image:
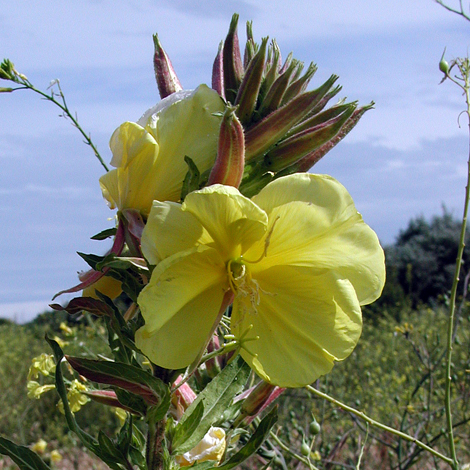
(35, 390)
(298, 258)
(39, 447)
(149, 155)
(75, 397)
(56, 456)
(212, 447)
(43, 364)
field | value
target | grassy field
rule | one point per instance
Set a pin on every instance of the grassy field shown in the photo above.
(395, 375)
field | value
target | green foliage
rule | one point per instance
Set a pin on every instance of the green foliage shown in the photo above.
(421, 263)
(22, 419)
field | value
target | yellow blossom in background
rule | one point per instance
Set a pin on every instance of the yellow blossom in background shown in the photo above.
(43, 364)
(35, 389)
(148, 156)
(55, 456)
(75, 397)
(298, 258)
(212, 447)
(66, 330)
(39, 447)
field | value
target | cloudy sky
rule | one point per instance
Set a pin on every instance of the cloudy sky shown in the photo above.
(407, 157)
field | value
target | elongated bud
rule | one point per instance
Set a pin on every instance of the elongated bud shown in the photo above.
(218, 72)
(230, 162)
(167, 81)
(309, 160)
(249, 88)
(107, 397)
(250, 46)
(299, 86)
(300, 145)
(262, 136)
(274, 95)
(233, 66)
(256, 399)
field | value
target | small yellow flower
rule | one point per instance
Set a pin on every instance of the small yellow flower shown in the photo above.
(43, 364)
(212, 447)
(75, 397)
(56, 456)
(149, 155)
(298, 259)
(35, 389)
(39, 447)
(66, 329)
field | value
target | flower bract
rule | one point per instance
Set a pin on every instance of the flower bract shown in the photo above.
(298, 258)
(148, 156)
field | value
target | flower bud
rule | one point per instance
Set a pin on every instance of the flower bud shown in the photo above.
(167, 81)
(443, 64)
(230, 163)
(218, 72)
(233, 66)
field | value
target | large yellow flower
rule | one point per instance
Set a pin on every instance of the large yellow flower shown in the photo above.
(298, 258)
(149, 155)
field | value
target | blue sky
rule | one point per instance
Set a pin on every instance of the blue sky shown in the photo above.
(407, 157)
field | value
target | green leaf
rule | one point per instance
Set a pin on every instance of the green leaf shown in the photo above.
(203, 466)
(217, 397)
(254, 443)
(110, 232)
(184, 430)
(25, 458)
(88, 441)
(191, 180)
(125, 376)
(132, 401)
(89, 304)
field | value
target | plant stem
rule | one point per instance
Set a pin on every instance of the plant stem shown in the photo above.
(376, 424)
(155, 438)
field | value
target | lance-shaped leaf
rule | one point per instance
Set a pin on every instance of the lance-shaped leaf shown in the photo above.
(88, 441)
(183, 431)
(218, 72)
(192, 179)
(307, 162)
(249, 88)
(89, 304)
(121, 375)
(266, 133)
(295, 148)
(233, 66)
(216, 397)
(254, 443)
(167, 81)
(110, 232)
(25, 458)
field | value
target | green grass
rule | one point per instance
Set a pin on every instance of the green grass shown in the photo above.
(395, 375)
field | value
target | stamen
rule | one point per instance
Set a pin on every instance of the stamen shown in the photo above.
(266, 244)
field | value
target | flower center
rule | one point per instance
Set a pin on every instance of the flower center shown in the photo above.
(243, 285)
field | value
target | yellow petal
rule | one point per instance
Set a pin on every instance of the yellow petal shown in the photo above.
(150, 161)
(231, 219)
(186, 128)
(304, 321)
(132, 184)
(169, 230)
(317, 225)
(180, 305)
